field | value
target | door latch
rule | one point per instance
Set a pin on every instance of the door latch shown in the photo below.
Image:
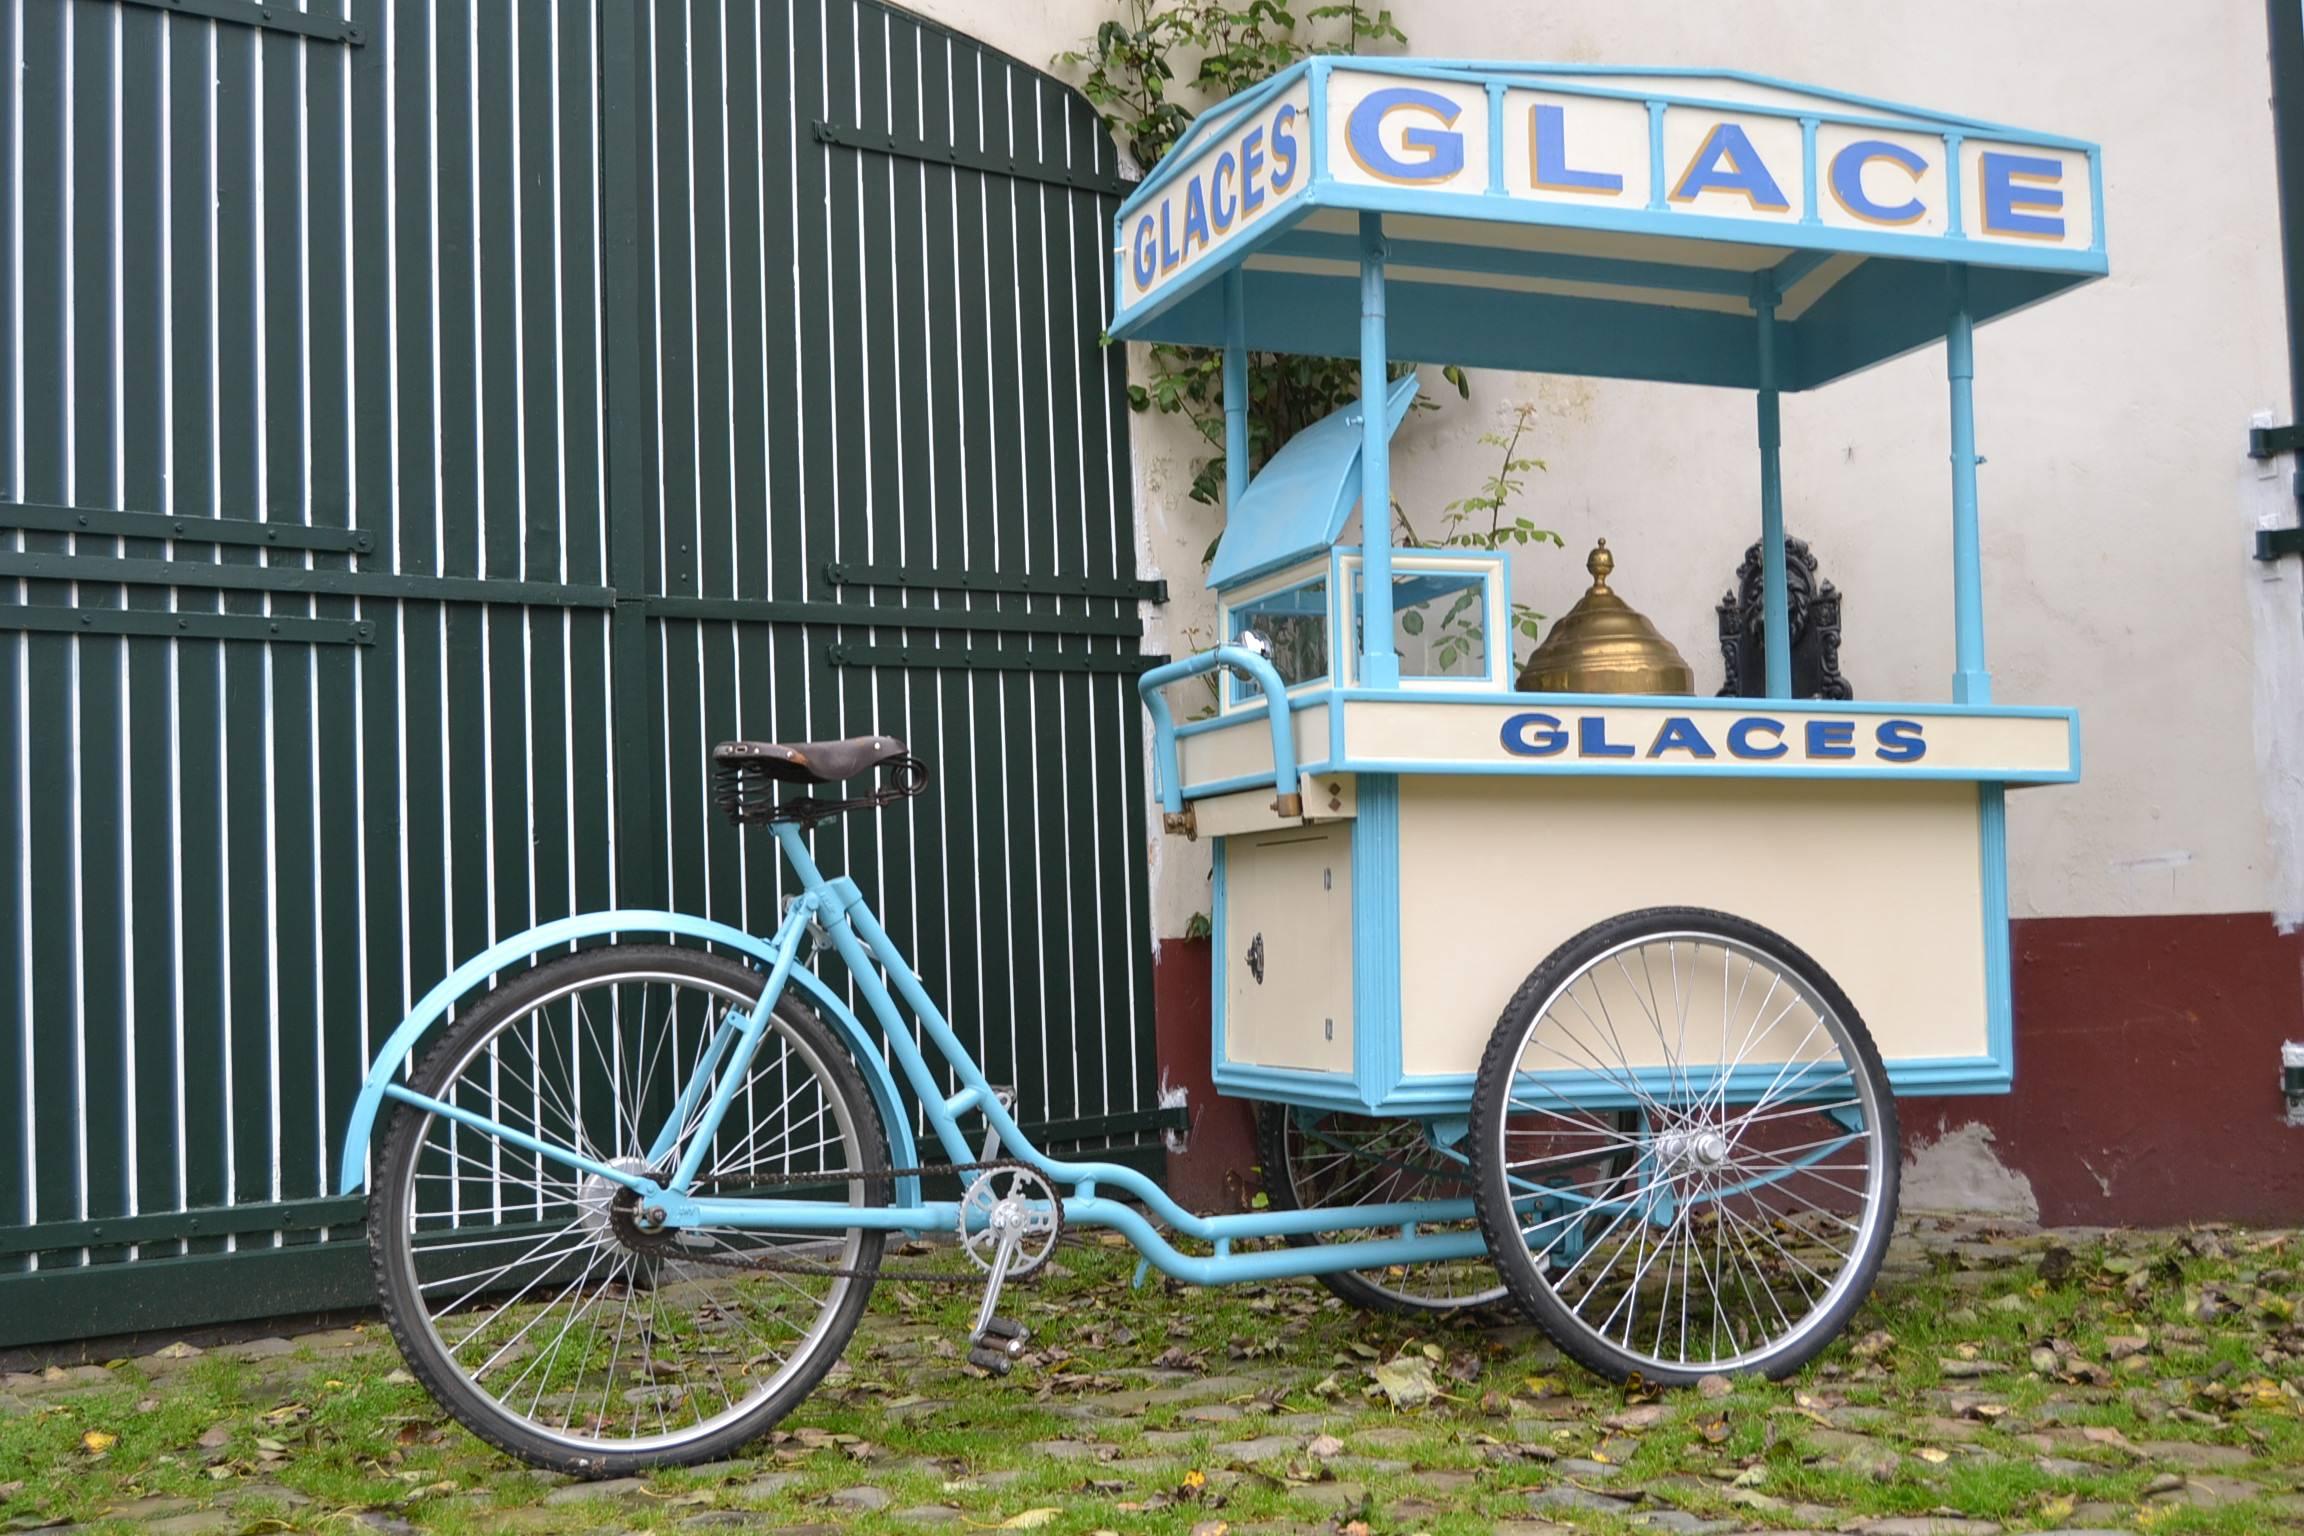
(1256, 958)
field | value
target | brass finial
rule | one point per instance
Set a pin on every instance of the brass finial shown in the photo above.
(1600, 563)
(1602, 646)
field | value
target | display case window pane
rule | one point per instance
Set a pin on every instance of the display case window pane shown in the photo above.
(1439, 622)
(1295, 621)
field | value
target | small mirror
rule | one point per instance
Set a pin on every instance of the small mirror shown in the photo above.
(1256, 642)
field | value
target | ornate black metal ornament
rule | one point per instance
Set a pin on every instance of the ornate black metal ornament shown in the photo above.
(1813, 606)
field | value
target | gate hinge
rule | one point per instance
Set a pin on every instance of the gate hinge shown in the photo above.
(2272, 543)
(2271, 442)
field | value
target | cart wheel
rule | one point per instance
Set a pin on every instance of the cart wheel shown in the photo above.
(1739, 1221)
(1316, 1158)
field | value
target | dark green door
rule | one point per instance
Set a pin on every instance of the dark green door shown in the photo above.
(421, 436)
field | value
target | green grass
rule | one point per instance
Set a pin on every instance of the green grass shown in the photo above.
(347, 1431)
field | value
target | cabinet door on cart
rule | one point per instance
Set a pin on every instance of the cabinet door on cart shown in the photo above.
(1288, 948)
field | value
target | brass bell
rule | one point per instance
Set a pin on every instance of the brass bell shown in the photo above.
(1602, 646)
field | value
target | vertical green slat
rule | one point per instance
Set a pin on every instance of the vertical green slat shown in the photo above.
(674, 219)
(580, 81)
(630, 448)
(12, 86)
(917, 841)
(972, 698)
(945, 695)
(96, 892)
(16, 1086)
(712, 167)
(245, 1122)
(747, 708)
(533, 192)
(852, 50)
(1019, 454)
(332, 1014)
(377, 246)
(778, 703)
(496, 89)
(289, 1018)
(817, 64)
(469, 387)
(15, 1019)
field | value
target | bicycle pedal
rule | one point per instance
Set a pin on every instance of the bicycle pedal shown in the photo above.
(991, 1360)
(1003, 1328)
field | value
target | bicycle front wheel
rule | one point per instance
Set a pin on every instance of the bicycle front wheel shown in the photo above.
(528, 1296)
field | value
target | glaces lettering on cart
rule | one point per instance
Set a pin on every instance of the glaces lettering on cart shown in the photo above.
(1746, 738)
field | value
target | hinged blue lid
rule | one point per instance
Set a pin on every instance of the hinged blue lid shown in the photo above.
(1296, 506)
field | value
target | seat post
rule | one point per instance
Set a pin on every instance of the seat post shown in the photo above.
(795, 846)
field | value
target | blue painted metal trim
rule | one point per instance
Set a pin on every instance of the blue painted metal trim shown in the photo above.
(1505, 261)
(1999, 982)
(1379, 667)
(1496, 138)
(1167, 771)
(1955, 226)
(1775, 609)
(1219, 945)
(1971, 683)
(1235, 389)
(1657, 200)
(536, 943)
(1443, 1094)
(1376, 895)
(1808, 171)
(1935, 250)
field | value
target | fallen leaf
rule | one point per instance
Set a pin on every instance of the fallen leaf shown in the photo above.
(1714, 1386)
(97, 1441)
(1406, 1382)
(1931, 1455)
(1873, 1345)
(1031, 1519)
(1642, 1417)
(1323, 1447)
(1211, 1528)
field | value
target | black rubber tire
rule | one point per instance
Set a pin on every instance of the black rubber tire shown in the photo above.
(1349, 1285)
(388, 1246)
(1491, 1091)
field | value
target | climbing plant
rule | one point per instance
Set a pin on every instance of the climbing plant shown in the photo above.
(1141, 71)
(1144, 70)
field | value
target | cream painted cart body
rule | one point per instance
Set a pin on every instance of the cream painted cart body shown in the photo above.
(1751, 922)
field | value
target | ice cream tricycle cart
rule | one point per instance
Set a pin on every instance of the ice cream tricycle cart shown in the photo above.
(1547, 995)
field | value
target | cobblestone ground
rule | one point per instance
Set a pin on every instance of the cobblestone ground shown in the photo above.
(1999, 1380)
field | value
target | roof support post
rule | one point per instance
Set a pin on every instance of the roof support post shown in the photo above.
(1775, 603)
(1379, 663)
(1235, 388)
(1971, 683)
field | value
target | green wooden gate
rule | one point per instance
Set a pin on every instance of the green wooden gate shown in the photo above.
(423, 430)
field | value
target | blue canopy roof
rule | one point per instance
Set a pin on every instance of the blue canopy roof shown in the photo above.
(1297, 505)
(1602, 221)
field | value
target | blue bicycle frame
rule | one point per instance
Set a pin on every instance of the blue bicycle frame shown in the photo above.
(832, 911)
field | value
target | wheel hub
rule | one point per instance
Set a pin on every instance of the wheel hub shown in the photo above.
(612, 1212)
(1702, 1148)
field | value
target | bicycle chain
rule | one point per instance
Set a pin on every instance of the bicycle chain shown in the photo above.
(770, 1264)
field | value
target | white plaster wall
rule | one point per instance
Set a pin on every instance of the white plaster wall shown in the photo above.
(2117, 507)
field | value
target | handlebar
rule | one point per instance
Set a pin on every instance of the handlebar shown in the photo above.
(1167, 766)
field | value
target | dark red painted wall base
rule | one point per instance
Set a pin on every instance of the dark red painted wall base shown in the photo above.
(2147, 1074)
